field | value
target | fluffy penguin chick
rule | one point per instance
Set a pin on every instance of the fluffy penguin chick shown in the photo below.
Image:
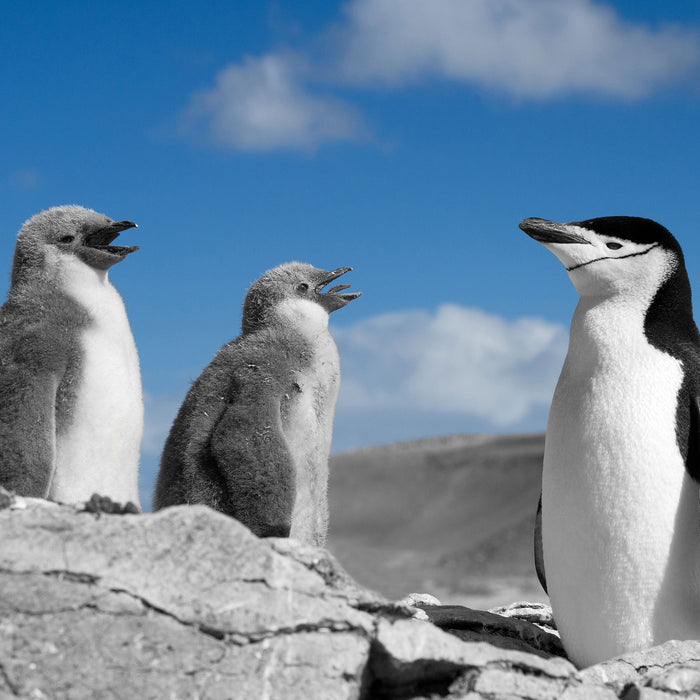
(619, 516)
(71, 412)
(253, 435)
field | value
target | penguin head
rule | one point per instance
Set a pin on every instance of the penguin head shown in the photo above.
(612, 254)
(294, 293)
(69, 232)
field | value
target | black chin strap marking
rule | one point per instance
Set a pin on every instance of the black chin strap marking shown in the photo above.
(621, 257)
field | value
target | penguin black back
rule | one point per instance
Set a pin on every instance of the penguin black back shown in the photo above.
(205, 459)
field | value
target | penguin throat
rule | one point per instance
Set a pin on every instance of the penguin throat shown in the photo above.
(73, 273)
(303, 315)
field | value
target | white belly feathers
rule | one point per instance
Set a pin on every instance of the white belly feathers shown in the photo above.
(100, 448)
(308, 429)
(615, 491)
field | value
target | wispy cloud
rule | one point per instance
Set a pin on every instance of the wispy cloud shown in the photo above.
(265, 103)
(528, 49)
(25, 180)
(455, 360)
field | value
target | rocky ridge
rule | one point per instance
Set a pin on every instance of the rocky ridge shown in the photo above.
(187, 603)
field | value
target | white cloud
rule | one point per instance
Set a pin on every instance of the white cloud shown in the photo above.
(527, 48)
(414, 374)
(264, 104)
(530, 49)
(456, 360)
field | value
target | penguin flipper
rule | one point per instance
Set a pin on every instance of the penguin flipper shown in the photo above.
(255, 465)
(27, 432)
(539, 555)
(692, 460)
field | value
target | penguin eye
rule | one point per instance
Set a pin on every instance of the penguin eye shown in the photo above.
(613, 246)
(303, 288)
(66, 239)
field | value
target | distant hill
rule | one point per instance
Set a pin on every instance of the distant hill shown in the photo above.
(450, 516)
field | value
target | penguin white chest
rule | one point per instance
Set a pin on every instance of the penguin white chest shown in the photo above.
(309, 432)
(618, 507)
(307, 419)
(309, 424)
(99, 449)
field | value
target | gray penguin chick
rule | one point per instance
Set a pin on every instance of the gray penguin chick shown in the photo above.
(253, 436)
(71, 409)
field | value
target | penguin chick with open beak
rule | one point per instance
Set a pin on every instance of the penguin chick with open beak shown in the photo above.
(620, 542)
(253, 436)
(71, 410)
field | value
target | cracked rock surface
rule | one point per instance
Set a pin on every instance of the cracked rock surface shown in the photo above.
(187, 603)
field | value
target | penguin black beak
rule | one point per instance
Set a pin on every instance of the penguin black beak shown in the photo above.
(550, 231)
(102, 238)
(332, 300)
(96, 250)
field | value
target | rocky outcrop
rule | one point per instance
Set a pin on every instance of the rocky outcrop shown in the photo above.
(187, 603)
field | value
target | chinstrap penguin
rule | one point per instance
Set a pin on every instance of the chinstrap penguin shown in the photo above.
(71, 410)
(620, 520)
(253, 436)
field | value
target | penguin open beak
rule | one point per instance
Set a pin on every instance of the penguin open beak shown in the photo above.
(550, 231)
(101, 239)
(96, 250)
(332, 300)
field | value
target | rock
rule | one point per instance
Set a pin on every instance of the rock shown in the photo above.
(187, 603)
(635, 667)
(537, 613)
(325, 565)
(414, 655)
(414, 603)
(683, 678)
(104, 504)
(7, 498)
(507, 632)
(184, 603)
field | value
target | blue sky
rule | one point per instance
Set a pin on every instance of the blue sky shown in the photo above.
(405, 138)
